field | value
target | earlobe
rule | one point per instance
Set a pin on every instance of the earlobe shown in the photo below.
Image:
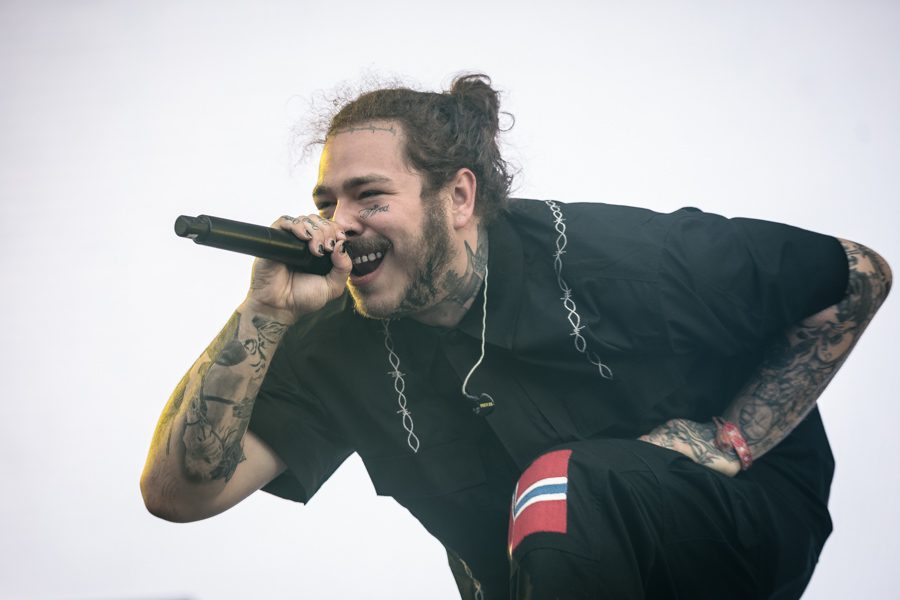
(463, 192)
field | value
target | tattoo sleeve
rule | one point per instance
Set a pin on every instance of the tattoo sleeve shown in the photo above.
(216, 398)
(798, 367)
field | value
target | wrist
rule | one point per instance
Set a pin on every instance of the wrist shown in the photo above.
(730, 440)
(250, 307)
(723, 460)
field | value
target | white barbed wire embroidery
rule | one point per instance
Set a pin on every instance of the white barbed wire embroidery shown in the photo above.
(479, 594)
(567, 299)
(400, 387)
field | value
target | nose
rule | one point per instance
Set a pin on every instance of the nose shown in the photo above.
(346, 219)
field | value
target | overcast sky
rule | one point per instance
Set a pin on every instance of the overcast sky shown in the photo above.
(117, 116)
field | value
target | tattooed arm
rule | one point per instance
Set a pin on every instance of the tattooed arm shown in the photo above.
(202, 459)
(201, 439)
(794, 371)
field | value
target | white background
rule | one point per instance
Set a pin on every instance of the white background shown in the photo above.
(115, 117)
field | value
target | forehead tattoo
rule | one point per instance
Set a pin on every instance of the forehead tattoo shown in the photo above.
(369, 128)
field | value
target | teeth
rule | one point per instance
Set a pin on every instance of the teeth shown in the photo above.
(367, 258)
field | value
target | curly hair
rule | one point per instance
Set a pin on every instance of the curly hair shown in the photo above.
(444, 132)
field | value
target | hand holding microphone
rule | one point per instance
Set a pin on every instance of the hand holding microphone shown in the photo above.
(301, 261)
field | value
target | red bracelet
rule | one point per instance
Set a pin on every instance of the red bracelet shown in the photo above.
(729, 437)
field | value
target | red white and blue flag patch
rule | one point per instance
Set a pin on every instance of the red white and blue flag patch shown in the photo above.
(539, 502)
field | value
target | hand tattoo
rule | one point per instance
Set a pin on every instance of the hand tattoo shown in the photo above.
(695, 440)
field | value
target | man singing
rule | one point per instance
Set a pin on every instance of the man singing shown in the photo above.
(577, 400)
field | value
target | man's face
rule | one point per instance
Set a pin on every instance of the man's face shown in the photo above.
(401, 243)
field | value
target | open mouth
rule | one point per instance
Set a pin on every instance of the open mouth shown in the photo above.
(367, 263)
(367, 255)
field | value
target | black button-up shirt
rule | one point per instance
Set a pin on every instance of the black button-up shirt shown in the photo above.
(678, 306)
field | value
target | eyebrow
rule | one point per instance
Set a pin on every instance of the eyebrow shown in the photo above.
(349, 184)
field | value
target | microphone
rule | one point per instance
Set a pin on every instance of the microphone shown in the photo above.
(255, 240)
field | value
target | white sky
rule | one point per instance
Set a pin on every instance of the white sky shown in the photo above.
(115, 117)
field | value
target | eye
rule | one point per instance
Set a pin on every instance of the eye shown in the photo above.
(370, 194)
(326, 209)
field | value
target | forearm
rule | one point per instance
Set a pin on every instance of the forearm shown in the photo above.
(800, 364)
(792, 375)
(194, 468)
(198, 442)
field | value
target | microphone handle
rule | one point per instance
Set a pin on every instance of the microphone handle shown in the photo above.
(255, 240)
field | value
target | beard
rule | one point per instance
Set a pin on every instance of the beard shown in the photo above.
(432, 252)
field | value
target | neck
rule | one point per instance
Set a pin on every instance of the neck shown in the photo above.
(460, 284)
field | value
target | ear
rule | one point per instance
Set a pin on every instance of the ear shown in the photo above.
(462, 190)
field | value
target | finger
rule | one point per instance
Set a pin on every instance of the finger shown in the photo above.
(295, 225)
(320, 234)
(319, 244)
(342, 264)
(331, 234)
(327, 233)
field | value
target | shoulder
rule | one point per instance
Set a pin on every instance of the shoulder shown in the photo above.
(617, 240)
(524, 210)
(593, 219)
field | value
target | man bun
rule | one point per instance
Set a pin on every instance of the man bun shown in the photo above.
(475, 91)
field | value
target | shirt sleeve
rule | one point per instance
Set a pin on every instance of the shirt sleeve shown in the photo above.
(293, 422)
(730, 284)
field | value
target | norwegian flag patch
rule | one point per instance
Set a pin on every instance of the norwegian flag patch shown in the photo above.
(539, 502)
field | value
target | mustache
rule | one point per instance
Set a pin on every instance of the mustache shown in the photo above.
(360, 247)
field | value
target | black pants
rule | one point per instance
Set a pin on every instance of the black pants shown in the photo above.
(639, 521)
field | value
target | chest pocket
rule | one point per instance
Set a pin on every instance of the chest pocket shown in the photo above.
(433, 471)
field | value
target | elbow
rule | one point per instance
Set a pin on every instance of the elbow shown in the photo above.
(870, 277)
(154, 500)
(161, 500)
(888, 276)
(882, 275)
(163, 510)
